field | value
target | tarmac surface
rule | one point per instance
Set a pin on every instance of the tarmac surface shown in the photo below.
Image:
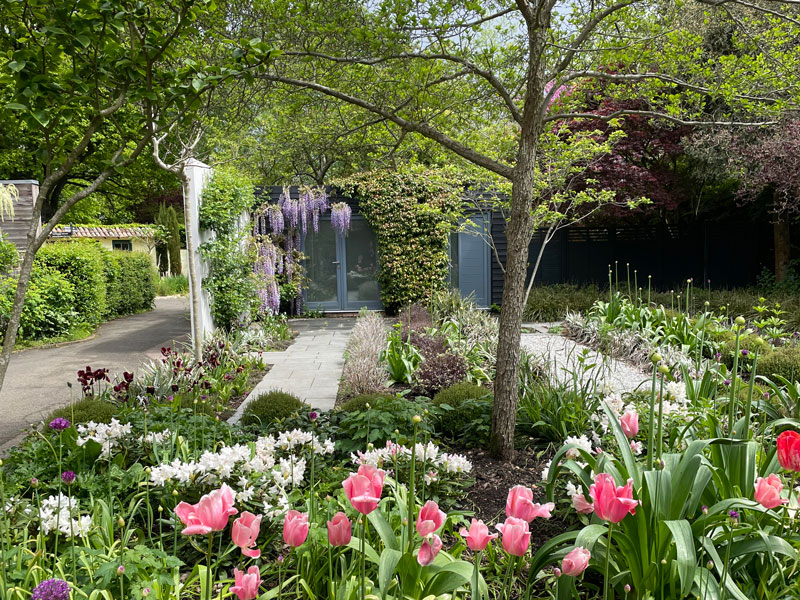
(36, 382)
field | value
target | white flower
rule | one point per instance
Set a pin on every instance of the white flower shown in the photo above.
(636, 447)
(581, 442)
(430, 477)
(571, 489)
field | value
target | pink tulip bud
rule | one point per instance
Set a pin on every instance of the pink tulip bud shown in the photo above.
(520, 505)
(430, 518)
(612, 503)
(245, 532)
(768, 491)
(246, 585)
(295, 528)
(429, 549)
(557, 572)
(364, 488)
(478, 536)
(576, 561)
(339, 530)
(630, 424)
(516, 536)
(582, 505)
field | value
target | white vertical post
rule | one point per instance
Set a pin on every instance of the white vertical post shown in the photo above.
(198, 174)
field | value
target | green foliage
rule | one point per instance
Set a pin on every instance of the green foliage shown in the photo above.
(783, 361)
(438, 372)
(82, 262)
(551, 302)
(465, 413)
(168, 234)
(359, 403)
(84, 410)
(49, 304)
(412, 214)
(400, 357)
(177, 285)
(271, 406)
(9, 256)
(130, 283)
(229, 255)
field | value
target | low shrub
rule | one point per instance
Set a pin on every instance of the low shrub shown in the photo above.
(9, 256)
(461, 407)
(271, 406)
(48, 311)
(783, 361)
(85, 410)
(363, 372)
(551, 302)
(359, 403)
(428, 345)
(133, 286)
(438, 372)
(414, 317)
(175, 285)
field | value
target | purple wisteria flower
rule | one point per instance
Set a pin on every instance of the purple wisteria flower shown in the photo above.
(68, 477)
(51, 589)
(275, 218)
(340, 217)
(59, 424)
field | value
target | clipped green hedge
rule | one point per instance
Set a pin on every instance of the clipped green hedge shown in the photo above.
(131, 283)
(82, 263)
(48, 309)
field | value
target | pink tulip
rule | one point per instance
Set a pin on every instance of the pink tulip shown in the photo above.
(630, 424)
(245, 532)
(211, 513)
(295, 528)
(478, 536)
(430, 518)
(516, 535)
(768, 491)
(612, 503)
(789, 450)
(246, 585)
(429, 549)
(576, 562)
(520, 505)
(339, 530)
(364, 488)
(582, 505)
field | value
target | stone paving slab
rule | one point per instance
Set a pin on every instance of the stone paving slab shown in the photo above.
(310, 368)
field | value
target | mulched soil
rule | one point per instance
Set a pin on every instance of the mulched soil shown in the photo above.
(493, 479)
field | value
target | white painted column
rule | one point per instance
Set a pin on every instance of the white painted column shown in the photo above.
(198, 174)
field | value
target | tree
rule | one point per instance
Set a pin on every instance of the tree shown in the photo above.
(429, 66)
(103, 77)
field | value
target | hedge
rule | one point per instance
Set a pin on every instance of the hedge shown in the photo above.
(76, 282)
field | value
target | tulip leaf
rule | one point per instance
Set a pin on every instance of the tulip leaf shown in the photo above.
(684, 544)
(588, 535)
(387, 567)
(384, 530)
(369, 551)
(449, 578)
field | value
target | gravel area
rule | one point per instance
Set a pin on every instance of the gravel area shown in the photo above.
(562, 354)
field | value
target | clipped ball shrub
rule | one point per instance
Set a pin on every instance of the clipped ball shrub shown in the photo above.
(783, 361)
(359, 403)
(85, 410)
(465, 413)
(271, 406)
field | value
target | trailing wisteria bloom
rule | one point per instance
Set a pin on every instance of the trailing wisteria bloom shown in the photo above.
(340, 217)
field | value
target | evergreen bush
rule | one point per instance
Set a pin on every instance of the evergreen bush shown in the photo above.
(271, 406)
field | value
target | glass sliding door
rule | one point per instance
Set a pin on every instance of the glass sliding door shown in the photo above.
(342, 270)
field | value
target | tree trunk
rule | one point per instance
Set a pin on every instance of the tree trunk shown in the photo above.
(780, 230)
(194, 282)
(26, 267)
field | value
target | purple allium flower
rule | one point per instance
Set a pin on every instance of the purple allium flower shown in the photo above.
(68, 477)
(59, 424)
(717, 356)
(704, 510)
(727, 382)
(745, 352)
(120, 569)
(51, 589)
(313, 415)
(733, 515)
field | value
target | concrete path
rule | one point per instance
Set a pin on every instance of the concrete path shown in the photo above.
(561, 354)
(36, 383)
(311, 367)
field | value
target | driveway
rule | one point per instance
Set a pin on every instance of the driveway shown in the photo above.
(36, 382)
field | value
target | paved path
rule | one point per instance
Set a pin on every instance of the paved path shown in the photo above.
(36, 383)
(561, 354)
(311, 367)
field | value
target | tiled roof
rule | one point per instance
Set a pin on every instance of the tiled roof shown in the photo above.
(101, 231)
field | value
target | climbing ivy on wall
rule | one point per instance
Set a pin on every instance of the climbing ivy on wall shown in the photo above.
(229, 255)
(412, 213)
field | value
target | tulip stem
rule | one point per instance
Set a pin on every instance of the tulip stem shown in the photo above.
(788, 504)
(208, 562)
(651, 425)
(411, 492)
(363, 554)
(661, 418)
(331, 591)
(476, 594)
(608, 557)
